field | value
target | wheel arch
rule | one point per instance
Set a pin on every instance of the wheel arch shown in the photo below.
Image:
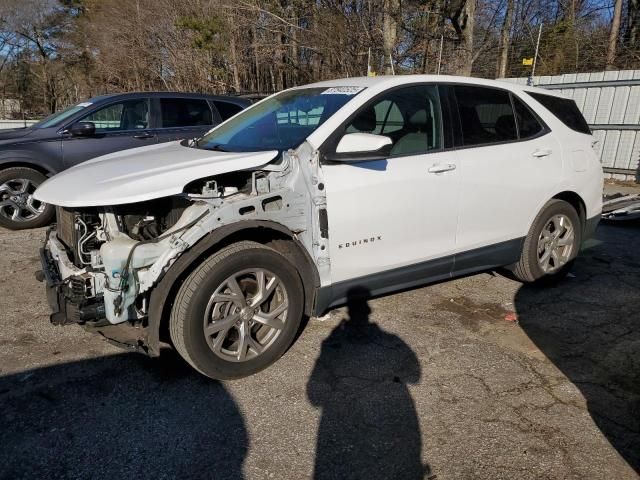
(269, 233)
(25, 163)
(576, 201)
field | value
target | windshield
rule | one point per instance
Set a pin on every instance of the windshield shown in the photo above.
(280, 122)
(58, 117)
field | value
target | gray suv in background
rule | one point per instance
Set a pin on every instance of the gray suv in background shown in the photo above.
(99, 126)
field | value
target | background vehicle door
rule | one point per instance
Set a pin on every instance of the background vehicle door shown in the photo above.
(400, 211)
(509, 163)
(184, 118)
(119, 126)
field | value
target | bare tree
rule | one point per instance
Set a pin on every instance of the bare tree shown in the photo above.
(391, 11)
(613, 36)
(55, 52)
(505, 40)
(632, 33)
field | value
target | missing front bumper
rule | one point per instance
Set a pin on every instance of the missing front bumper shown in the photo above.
(67, 308)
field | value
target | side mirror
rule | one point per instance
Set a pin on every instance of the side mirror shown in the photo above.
(362, 143)
(361, 146)
(83, 129)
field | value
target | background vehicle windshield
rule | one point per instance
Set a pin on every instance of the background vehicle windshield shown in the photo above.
(58, 117)
(280, 122)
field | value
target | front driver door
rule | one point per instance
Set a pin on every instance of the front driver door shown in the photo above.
(392, 222)
(119, 126)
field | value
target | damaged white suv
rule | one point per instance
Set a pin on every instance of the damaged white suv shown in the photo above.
(221, 245)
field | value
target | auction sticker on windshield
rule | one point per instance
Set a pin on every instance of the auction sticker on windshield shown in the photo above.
(342, 90)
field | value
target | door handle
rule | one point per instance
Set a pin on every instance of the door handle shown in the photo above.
(143, 136)
(541, 153)
(442, 168)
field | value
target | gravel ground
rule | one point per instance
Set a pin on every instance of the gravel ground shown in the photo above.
(429, 383)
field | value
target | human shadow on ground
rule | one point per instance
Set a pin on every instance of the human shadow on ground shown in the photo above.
(123, 416)
(369, 426)
(589, 327)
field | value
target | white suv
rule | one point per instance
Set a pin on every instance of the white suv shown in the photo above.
(221, 245)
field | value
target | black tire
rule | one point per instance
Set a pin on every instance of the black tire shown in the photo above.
(528, 268)
(8, 176)
(186, 323)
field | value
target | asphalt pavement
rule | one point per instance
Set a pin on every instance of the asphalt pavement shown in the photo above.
(480, 377)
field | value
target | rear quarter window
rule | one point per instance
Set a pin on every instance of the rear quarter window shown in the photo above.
(565, 110)
(226, 109)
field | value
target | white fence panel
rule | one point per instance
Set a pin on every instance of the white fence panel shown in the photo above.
(4, 124)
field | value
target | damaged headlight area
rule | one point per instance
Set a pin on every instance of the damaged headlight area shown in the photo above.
(100, 261)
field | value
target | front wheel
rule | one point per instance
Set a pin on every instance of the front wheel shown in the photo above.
(18, 208)
(238, 312)
(552, 244)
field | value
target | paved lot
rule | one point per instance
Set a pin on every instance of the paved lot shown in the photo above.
(428, 382)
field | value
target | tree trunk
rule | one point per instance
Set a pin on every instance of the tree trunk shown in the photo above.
(256, 60)
(389, 32)
(613, 36)
(505, 40)
(469, 20)
(234, 60)
(632, 33)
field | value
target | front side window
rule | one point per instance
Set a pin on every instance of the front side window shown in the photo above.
(185, 112)
(410, 116)
(128, 115)
(281, 122)
(486, 115)
(566, 110)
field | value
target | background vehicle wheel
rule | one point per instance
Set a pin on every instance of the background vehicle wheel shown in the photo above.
(238, 312)
(552, 244)
(18, 208)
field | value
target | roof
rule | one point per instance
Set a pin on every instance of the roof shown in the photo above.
(387, 81)
(133, 95)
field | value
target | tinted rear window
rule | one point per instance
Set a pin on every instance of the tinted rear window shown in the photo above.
(486, 115)
(566, 110)
(185, 112)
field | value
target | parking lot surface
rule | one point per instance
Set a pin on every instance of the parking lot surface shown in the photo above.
(438, 382)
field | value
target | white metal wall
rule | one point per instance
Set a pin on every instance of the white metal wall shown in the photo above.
(4, 124)
(610, 102)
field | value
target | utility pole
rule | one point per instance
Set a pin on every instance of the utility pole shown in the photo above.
(535, 57)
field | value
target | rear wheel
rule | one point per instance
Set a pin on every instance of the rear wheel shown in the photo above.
(238, 312)
(18, 208)
(552, 244)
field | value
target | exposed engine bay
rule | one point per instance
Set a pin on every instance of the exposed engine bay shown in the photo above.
(105, 260)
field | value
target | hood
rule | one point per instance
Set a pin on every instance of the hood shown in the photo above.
(141, 174)
(14, 133)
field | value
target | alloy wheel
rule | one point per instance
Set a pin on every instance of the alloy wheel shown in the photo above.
(556, 243)
(245, 315)
(16, 200)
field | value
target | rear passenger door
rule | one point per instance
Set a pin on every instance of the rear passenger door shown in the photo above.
(180, 118)
(509, 163)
